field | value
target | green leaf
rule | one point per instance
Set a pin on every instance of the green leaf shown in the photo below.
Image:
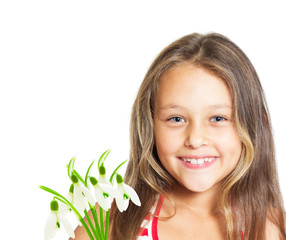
(51, 191)
(78, 176)
(115, 171)
(87, 173)
(70, 166)
(103, 157)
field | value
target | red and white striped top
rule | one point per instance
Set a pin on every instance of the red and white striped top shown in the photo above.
(148, 228)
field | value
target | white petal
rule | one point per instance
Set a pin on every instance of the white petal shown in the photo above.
(120, 204)
(132, 194)
(64, 209)
(67, 226)
(126, 204)
(97, 191)
(110, 190)
(87, 194)
(109, 200)
(120, 188)
(77, 220)
(100, 198)
(79, 200)
(51, 226)
(70, 196)
(103, 180)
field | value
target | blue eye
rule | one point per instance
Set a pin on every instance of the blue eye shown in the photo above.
(177, 119)
(218, 119)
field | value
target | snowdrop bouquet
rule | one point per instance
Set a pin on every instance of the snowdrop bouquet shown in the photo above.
(83, 195)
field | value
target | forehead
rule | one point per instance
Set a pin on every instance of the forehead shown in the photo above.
(187, 83)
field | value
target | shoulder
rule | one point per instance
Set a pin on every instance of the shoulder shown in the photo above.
(271, 229)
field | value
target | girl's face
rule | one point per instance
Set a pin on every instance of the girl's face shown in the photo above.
(195, 136)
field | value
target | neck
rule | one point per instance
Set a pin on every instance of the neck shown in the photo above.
(202, 203)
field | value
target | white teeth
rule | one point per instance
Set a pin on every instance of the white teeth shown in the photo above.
(201, 161)
(198, 161)
(194, 161)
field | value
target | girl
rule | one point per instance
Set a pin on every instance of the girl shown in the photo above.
(202, 154)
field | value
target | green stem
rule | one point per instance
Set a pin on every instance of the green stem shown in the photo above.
(86, 229)
(91, 225)
(106, 225)
(94, 214)
(101, 221)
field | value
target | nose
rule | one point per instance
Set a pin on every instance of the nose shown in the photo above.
(196, 136)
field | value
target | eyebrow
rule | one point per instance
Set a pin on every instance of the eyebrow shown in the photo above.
(220, 106)
(174, 106)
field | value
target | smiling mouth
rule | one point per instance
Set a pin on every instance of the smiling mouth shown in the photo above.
(199, 160)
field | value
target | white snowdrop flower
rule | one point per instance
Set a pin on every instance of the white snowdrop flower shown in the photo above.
(126, 193)
(104, 193)
(81, 195)
(64, 208)
(102, 178)
(54, 222)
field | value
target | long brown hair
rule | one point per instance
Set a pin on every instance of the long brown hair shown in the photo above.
(251, 193)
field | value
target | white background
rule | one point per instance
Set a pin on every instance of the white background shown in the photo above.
(69, 73)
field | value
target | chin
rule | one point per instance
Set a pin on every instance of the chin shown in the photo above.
(199, 187)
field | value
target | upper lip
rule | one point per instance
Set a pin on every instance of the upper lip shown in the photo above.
(198, 156)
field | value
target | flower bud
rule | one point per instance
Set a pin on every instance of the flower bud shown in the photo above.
(54, 205)
(102, 170)
(74, 178)
(71, 188)
(93, 181)
(119, 179)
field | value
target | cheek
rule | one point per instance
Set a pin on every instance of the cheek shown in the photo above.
(229, 145)
(167, 142)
